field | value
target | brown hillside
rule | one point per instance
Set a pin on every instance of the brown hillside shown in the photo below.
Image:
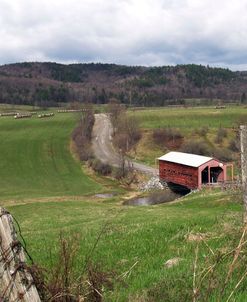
(52, 83)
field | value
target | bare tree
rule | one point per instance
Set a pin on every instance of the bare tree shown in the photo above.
(115, 110)
(127, 134)
(128, 127)
(83, 132)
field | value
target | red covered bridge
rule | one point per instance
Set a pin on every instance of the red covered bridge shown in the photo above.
(191, 170)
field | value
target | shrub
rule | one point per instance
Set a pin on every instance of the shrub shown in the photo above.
(196, 147)
(222, 154)
(82, 144)
(221, 133)
(203, 131)
(119, 173)
(234, 145)
(82, 136)
(126, 175)
(169, 137)
(101, 168)
(128, 132)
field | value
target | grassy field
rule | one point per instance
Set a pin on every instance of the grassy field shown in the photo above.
(189, 122)
(35, 160)
(187, 119)
(145, 237)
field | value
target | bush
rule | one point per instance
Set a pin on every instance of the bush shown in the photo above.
(119, 173)
(82, 136)
(128, 132)
(101, 168)
(234, 145)
(222, 154)
(126, 175)
(221, 133)
(202, 148)
(202, 131)
(196, 147)
(169, 137)
(82, 144)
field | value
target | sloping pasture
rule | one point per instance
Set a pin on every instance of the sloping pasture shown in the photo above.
(35, 159)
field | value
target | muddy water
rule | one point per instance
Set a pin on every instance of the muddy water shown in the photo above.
(154, 198)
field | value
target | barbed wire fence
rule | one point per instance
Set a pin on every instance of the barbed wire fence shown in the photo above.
(16, 282)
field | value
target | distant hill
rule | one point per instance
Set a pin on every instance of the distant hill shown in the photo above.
(51, 83)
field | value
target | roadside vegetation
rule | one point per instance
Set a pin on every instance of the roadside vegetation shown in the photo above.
(126, 134)
(82, 134)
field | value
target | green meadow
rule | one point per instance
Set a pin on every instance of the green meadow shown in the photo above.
(35, 159)
(136, 242)
(188, 119)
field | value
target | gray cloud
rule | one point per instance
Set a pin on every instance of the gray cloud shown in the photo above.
(146, 32)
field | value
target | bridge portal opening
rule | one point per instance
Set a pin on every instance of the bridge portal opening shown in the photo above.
(205, 176)
(211, 175)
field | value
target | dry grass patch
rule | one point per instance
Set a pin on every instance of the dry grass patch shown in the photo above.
(197, 236)
(146, 150)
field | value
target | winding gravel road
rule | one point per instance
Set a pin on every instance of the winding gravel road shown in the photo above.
(103, 147)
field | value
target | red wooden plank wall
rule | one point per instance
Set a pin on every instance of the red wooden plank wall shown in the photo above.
(178, 174)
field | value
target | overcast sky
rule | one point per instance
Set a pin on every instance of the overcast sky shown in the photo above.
(132, 32)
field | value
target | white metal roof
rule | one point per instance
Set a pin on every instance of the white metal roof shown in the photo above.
(187, 159)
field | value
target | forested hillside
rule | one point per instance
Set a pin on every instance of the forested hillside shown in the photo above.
(48, 84)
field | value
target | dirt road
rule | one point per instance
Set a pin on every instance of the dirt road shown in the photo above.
(103, 147)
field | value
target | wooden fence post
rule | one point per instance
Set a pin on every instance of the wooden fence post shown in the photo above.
(16, 283)
(243, 142)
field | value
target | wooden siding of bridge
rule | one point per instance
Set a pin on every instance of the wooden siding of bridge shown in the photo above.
(178, 174)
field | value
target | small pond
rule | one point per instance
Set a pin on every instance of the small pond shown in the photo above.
(153, 198)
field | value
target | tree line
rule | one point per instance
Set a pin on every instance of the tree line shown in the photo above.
(52, 83)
